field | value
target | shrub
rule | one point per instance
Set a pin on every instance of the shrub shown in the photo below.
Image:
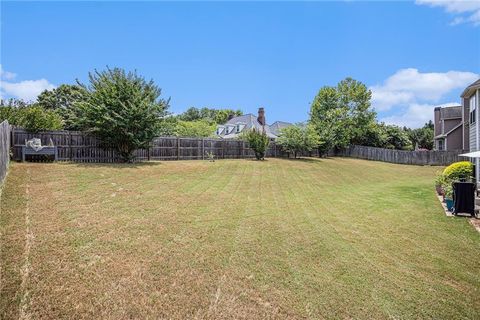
(298, 138)
(30, 116)
(198, 128)
(123, 109)
(36, 118)
(458, 171)
(258, 141)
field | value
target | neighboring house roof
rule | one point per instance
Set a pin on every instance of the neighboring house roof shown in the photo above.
(249, 121)
(447, 133)
(470, 89)
(450, 111)
(277, 126)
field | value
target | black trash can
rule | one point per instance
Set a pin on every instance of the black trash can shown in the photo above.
(464, 198)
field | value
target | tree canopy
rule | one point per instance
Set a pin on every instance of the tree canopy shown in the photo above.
(218, 116)
(123, 109)
(63, 100)
(298, 138)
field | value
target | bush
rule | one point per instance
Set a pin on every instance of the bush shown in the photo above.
(458, 171)
(123, 109)
(198, 128)
(298, 138)
(32, 118)
(258, 141)
(36, 118)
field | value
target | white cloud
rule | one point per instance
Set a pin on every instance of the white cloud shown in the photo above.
(27, 90)
(6, 74)
(409, 86)
(410, 95)
(414, 116)
(468, 11)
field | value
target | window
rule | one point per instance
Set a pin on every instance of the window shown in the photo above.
(219, 130)
(440, 145)
(229, 129)
(473, 109)
(239, 127)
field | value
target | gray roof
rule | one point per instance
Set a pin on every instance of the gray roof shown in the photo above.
(278, 125)
(470, 89)
(452, 112)
(250, 121)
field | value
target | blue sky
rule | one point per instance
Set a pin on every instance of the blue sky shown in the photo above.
(249, 54)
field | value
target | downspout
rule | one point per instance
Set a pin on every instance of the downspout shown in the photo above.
(476, 134)
(463, 125)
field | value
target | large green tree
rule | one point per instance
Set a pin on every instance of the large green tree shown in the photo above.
(355, 97)
(123, 109)
(330, 120)
(342, 115)
(298, 138)
(63, 100)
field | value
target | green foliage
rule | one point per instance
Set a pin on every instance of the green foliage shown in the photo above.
(257, 140)
(355, 97)
(218, 116)
(396, 138)
(439, 179)
(167, 126)
(123, 109)
(422, 137)
(298, 138)
(341, 115)
(64, 99)
(31, 117)
(35, 119)
(457, 171)
(329, 120)
(198, 128)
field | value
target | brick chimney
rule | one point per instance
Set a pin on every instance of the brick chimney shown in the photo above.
(261, 116)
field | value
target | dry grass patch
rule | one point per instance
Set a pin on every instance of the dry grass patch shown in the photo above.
(334, 238)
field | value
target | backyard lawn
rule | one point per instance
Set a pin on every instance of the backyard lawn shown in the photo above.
(321, 239)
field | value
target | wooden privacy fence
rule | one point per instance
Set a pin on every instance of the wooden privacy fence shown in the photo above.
(4, 149)
(81, 147)
(434, 158)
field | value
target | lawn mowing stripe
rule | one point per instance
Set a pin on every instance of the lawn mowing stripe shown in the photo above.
(26, 266)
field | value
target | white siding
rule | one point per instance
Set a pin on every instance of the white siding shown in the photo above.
(473, 137)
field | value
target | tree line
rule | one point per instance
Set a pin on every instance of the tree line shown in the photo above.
(341, 116)
(126, 111)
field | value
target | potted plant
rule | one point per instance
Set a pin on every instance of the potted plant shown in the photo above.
(439, 182)
(449, 197)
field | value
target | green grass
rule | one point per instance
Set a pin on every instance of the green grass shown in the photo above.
(333, 238)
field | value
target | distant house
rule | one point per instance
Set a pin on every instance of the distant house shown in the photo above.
(235, 126)
(450, 128)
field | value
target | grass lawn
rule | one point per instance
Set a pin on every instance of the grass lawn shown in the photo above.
(321, 239)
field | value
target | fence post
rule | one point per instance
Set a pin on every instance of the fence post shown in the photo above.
(243, 149)
(70, 146)
(203, 148)
(178, 148)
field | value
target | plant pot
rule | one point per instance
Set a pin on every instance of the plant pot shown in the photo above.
(449, 203)
(439, 190)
